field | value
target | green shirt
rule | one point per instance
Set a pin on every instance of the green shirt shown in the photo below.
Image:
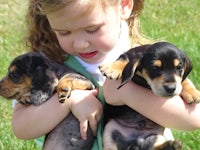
(71, 62)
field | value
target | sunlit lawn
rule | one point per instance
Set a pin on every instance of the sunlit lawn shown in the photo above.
(174, 21)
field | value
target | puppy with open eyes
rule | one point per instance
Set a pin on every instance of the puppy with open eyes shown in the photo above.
(31, 79)
(161, 67)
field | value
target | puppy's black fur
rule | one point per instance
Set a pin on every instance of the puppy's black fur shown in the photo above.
(31, 79)
(161, 67)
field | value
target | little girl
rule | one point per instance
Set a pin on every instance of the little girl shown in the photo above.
(92, 32)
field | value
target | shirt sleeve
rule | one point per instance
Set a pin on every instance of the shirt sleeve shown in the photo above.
(14, 102)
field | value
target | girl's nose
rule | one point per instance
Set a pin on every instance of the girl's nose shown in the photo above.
(80, 44)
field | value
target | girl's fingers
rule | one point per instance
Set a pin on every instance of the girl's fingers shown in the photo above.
(83, 129)
(93, 124)
(95, 92)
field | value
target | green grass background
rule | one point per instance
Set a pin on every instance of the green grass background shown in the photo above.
(175, 21)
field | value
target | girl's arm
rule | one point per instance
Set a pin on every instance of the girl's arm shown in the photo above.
(172, 112)
(29, 122)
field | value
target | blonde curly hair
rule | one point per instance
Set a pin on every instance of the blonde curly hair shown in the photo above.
(41, 37)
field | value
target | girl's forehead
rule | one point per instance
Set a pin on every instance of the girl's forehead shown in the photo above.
(79, 7)
(76, 15)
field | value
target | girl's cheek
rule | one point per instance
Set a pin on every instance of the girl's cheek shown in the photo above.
(108, 38)
(105, 43)
(64, 43)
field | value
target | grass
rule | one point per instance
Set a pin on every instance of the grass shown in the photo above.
(171, 20)
(177, 22)
(11, 35)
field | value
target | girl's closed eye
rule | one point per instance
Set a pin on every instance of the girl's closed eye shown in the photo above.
(63, 33)
(90, 30)
(93, 29)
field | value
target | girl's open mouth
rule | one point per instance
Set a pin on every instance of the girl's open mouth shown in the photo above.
(88, 55)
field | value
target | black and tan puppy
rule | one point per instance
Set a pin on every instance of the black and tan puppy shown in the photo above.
(161, 67)
(32, 79)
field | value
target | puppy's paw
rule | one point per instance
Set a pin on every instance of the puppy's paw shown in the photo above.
(114, 70)
(189, 92)
(25, 99)
(171, 145)
(110, 146)
(63, 93)
(110, 72)
(72, 81)
(191, 95)
(175, 145)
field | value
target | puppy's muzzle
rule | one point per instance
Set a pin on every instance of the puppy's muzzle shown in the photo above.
(170, 88)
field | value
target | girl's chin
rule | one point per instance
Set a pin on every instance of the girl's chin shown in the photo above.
(92, 60)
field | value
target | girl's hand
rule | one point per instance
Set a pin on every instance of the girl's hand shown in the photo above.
(87, 109)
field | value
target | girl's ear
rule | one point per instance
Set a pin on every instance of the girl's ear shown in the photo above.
(126, 9)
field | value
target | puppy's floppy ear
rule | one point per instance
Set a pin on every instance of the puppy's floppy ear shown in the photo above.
(129, 70)
(43, 85)
(187, 64)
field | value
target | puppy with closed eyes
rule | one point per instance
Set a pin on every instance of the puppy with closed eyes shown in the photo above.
(32, 79)
(161, 67)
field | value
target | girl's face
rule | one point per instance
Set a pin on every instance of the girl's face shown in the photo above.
(90, 36)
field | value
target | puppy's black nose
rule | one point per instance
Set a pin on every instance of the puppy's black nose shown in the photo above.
(170, 88)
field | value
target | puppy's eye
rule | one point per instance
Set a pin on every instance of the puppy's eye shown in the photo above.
(179, 67)
(156, 68)
(14, 76)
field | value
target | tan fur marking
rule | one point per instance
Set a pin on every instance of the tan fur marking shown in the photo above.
(189, 93)
(119, 65)
(114, 70)
(12, 68)
(9, 88)
(176, 62)
(73, 84)
(156, 81)
(66, 84)
(158, 63)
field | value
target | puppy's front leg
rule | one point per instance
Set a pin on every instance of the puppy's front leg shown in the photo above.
(72, 81)
(189, 92)
(114, 70)
(25, 99)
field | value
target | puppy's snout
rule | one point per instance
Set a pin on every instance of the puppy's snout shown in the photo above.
(1, 86)
(170, 88)
(4, 91)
